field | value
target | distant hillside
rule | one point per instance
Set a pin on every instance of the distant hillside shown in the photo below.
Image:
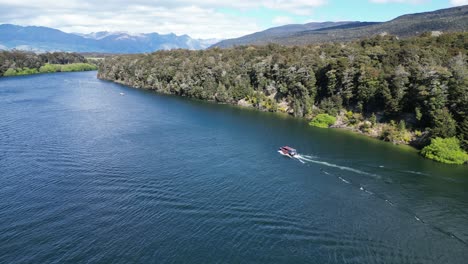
(271, 34)
(48, 39)
(445, 20)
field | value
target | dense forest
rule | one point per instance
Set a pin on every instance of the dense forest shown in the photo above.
(405, 91)
(17, 62)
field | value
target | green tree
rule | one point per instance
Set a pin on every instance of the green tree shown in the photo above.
(221, 93)
(444, 125)
(396, 91)
(368, 83)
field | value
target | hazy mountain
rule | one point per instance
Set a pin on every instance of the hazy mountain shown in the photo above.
(271, 34)
(444, 20)
(49, 39)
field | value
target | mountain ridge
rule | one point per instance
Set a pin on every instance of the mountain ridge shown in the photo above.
(453, 19)
(39, 38)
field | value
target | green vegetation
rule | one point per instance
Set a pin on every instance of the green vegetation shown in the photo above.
(422, 81)
(17, 72)
(396, 133)
(68, 67)
(323, 121)
(446, 150)
(14, 63)
(49, 68)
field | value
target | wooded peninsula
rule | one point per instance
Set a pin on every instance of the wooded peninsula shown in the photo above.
(407, 91)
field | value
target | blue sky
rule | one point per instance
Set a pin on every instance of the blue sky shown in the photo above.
(341, 10)
(203, 18)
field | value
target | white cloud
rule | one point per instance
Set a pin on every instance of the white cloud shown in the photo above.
(200, 19)
(458, 2)
(282, 20)
(398, 1)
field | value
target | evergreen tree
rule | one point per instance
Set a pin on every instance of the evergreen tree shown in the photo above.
(444, 125)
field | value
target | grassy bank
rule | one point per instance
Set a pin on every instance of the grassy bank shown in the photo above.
(49, 68)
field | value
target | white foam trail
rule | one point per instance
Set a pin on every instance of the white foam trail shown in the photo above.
(416, 172)
(343, 180)
(308, 156)
(300, 157)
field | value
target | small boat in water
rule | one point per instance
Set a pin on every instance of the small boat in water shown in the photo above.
(287, 151)
(122, 94)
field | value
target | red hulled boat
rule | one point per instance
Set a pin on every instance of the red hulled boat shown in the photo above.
(287, 151)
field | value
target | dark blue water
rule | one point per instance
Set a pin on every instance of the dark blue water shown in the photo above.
(88, 175)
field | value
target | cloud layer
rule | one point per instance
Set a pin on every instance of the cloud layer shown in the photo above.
(398, 1)
(201, 19)
(459, 2)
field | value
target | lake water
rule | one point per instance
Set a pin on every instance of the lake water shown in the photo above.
(89, 175)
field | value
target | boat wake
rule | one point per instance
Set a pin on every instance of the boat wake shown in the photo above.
(306, 158)
(312, 159)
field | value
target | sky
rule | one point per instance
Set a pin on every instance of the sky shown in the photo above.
(203, 18)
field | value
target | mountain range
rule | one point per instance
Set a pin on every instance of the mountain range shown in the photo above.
(444, 20)
(48, 39)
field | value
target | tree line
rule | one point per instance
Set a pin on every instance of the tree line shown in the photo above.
(422, 81)
(17, 62)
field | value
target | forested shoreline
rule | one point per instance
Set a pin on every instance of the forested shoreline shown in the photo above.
(411, 91)
(13, 63)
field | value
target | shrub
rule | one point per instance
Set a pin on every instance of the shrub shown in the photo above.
(354, 118)
(26, 71)
(388, 133)
(283, 109)
(396, 134)
(323, 121)
(49, 68)
(78, 67)
(344, 120)
(418, 113)
(20, 71)
(269, 104)
(373, 119)
(402, 125)
(366, 127)
(446, 150)
(10, 72)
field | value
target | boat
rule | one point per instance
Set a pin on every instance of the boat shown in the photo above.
(122, 94)
(287, 151)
